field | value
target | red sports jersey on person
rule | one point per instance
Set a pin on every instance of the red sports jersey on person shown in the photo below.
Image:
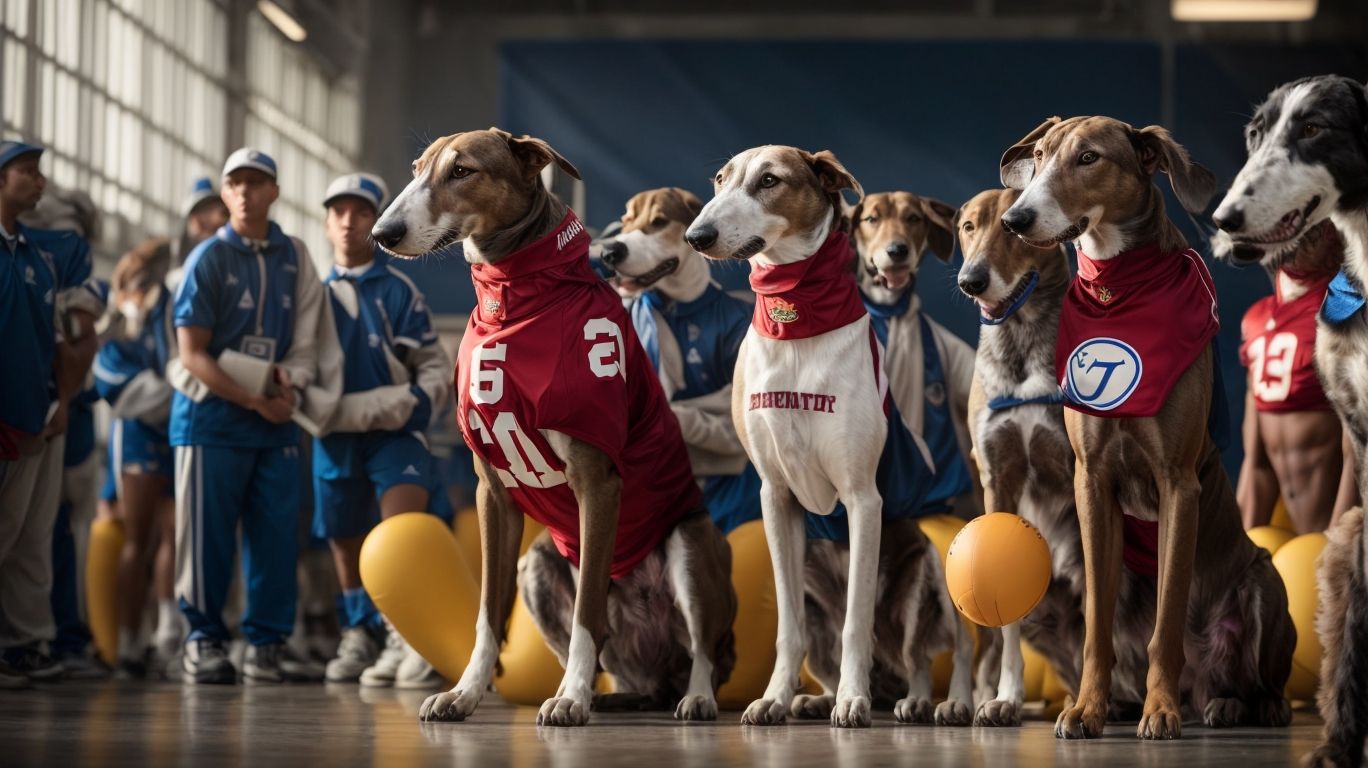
(1130, 326)
(550, 347)
(1277, 344)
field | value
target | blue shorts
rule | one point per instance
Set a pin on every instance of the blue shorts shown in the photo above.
(137, 449)
(352, 471)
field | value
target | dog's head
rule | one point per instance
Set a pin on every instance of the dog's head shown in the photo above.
(137, 283)
(1094, 175)
(998, 266)
(777, 200)
(1308, 156)
(469, 186)
(892, 230)
(650, 247)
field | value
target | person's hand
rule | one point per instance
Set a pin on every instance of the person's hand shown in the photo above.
(58, 423)
(282, 379)
(276, 410)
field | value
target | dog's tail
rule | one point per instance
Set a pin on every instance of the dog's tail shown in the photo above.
(1342, 622)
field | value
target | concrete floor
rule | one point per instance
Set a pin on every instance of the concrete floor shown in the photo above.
(113, 724)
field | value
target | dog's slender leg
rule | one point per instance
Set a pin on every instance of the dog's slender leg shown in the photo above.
(853, 705)
(598, 490)
(1162, 717)
(501, 525)
(695, 550)
(1342, 618)
(917, 707)
(787, 538)
(1005, 708)
(958, 707)
(1100, 525)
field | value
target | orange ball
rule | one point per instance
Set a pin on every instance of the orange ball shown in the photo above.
(998, 569)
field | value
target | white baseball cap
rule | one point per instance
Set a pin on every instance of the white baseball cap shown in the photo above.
(366, 186)
(250, 158)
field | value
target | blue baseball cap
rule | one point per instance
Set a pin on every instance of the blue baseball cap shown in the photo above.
(250, 158)
(12, 150)
(366, 186)
(201, 189)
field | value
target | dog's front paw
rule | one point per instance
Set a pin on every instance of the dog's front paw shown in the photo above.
(953, 712)
(563, 711)
(807, 707)
(696, 708)
(1224, 713)
(451, 706)
(913, 710)
(764, 712)
(1080, 722)
(852, 712)
(998, 713)
(1160, 723)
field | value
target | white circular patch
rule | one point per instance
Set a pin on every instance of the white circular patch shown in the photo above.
(1103, 373)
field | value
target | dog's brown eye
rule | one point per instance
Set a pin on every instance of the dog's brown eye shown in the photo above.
(659, 221)
(717, 179)
(913, 218)
(1039, 153)
(768, 180)
(1310, 131)
(1087, 158)
(968, 226)
(460, 172)
(870, 219)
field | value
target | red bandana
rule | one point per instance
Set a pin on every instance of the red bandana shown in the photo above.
(1130, 327)
(518, 287)
(810, 297)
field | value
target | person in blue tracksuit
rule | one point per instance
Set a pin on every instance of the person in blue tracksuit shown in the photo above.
(248, 314)
(47, 323)
(130, 373)
(396, 377)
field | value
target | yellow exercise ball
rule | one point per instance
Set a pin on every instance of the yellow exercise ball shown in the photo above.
(1270, 537)
(757, 616)
(412, 567)
(1280, 517)
(1296, 563)
(1034, 676)
(529, 672)
(102, 585)
(941, 530)
(998, 569)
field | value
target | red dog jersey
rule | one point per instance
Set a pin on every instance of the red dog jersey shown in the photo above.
(550, 347)
(1277, 345)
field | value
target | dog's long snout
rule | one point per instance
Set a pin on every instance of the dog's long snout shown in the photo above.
(701, 237)
(897, 251)
(613, 252)
(973, 278)
(1229, 218)
(1017, 221)
(388, 233)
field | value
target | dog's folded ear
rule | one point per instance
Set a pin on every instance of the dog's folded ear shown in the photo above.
(1018, 162)
(535, 154)
(940, 237)
(831, 174)
(1193, 184)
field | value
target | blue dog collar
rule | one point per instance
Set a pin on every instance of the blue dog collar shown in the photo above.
(1343, 300)
(1026, 294)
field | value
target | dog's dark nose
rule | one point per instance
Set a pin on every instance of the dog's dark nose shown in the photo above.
(389, 233)
(975, 282)
(613, 253)
(1231, 220)
(1018, 220)
(701, 237)
(898, 251)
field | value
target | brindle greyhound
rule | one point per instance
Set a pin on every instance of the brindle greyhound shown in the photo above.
(1308, 161)
(663, 629)
(1090, 179)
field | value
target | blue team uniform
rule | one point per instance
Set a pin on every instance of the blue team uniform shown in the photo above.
(709, 331)
(231, 464)
(909, 486)
(134, 444)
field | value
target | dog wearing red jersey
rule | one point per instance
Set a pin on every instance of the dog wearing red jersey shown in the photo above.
(569, 425)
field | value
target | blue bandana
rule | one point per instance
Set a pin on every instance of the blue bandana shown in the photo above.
(1343, 300)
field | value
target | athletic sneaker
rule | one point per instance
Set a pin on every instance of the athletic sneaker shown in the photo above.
(206, 661)
(83, 666)
(278, 663)
(12, 679)
(31, 661)
(381, 674)
(165, 661)
(357, 651)
(415, 673)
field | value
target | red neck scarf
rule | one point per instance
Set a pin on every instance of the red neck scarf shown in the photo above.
(1130, 327)
(534, 276)
(810, 297)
